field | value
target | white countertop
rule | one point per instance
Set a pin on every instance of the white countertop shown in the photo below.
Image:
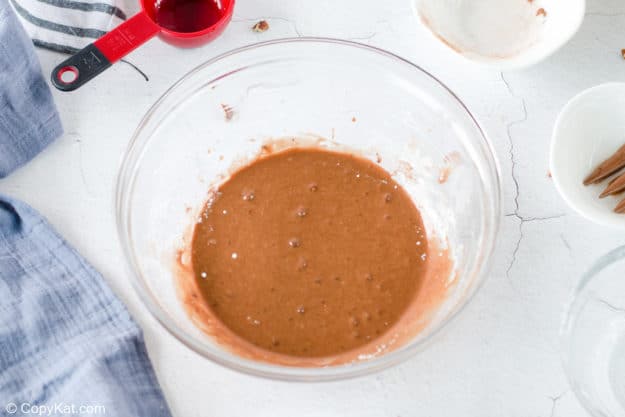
(501, 357)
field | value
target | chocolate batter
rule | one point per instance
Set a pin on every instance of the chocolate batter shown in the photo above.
(309, 252)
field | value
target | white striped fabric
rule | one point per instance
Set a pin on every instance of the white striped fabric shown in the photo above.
(67, 25)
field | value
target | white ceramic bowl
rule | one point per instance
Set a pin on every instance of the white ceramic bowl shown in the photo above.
(505, 34)
(589, 129)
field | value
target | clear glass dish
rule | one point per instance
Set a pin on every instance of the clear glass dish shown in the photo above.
(593, 337)
(354, 95)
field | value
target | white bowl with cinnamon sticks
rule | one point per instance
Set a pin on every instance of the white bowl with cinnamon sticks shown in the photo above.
(588, 154)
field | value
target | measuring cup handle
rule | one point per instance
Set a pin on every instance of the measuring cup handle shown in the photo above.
(98, 56)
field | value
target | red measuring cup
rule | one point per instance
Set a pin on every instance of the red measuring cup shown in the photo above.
(184, 23)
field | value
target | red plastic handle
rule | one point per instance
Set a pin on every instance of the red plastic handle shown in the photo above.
(100, 55)
(127, 37)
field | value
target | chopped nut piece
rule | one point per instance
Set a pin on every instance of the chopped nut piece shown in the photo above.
(261, 26)
(228, 111)
(623, 53)
(541, 12)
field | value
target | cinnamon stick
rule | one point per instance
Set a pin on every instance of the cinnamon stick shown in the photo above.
(620, 207)
(608, 167)
(616, 186)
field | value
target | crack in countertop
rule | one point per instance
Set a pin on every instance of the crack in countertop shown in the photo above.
(511, 142)
(516, 209)
(612, 307)
(515, 180)
(513, 171)
(554, 402)
(522, 222)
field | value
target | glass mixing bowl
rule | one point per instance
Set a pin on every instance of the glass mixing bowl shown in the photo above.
(354, 95)
(593, 337)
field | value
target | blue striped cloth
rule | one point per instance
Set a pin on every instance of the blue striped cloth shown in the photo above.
(67, 25)
(67, 344)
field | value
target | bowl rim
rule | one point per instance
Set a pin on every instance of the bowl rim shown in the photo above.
(295, 374)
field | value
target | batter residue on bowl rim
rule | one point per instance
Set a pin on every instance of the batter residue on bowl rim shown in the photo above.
(311, 257)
